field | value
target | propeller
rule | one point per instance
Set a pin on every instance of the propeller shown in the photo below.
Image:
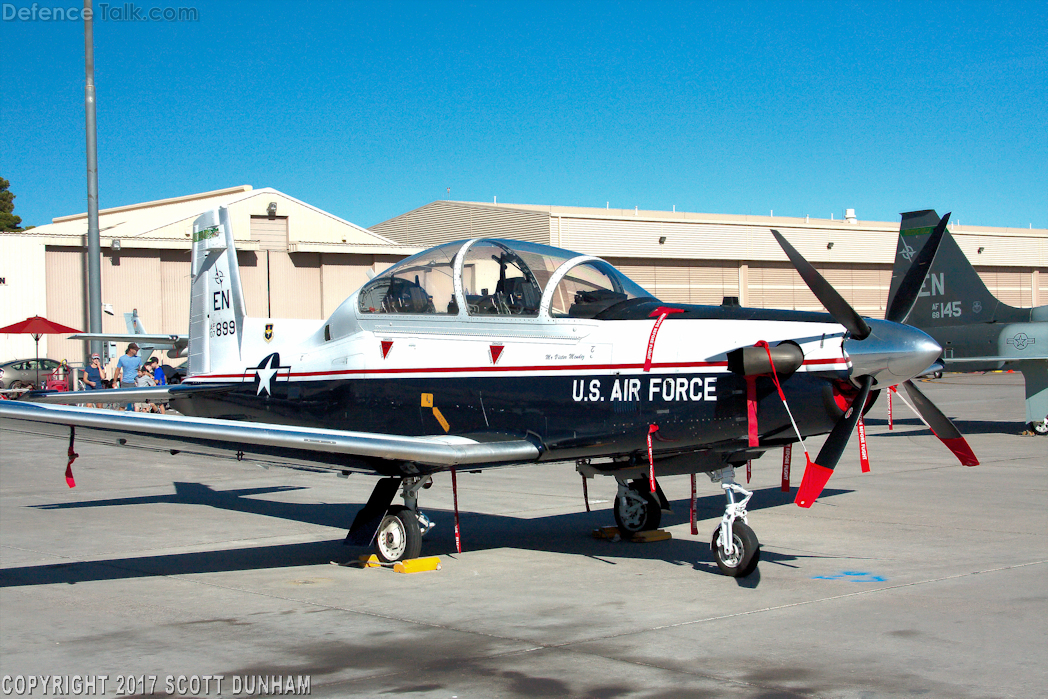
(940, 425)
(817, 472)
(886, 353)
(910, 286)
(840, 309)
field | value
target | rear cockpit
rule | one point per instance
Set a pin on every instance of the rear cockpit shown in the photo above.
(486, 278)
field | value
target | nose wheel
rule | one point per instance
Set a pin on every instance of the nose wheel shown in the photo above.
(745, 551)
(734, 545)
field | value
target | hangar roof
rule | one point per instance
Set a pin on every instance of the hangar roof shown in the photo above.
(167, 223)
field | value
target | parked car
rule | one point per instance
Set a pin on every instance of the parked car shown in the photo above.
(19, 373)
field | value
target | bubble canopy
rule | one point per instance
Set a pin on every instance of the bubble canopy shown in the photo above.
(498, 277)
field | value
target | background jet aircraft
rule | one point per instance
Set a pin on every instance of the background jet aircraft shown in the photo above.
(176, 345)
(490, 352)
(976, 330)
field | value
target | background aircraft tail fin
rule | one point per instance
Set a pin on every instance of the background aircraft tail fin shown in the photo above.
(953, 293)
(216, 307)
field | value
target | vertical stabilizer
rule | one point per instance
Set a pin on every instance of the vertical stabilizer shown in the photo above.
(216, 307)
(953, 293)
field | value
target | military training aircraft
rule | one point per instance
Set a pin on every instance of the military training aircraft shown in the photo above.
(490, 352)
(977, 332)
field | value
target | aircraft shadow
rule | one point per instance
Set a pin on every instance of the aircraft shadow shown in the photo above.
(965, 427)
(569, 534)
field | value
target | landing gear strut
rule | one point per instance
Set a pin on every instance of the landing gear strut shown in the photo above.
(735, 546)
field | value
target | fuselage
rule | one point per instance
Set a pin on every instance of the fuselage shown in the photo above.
(496, 339)
(580, 387)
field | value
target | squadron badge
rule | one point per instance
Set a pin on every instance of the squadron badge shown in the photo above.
(269, 332)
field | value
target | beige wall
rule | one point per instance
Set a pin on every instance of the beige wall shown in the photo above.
(156, 283)
(683, 281)
(23, 293)
(1010, 285)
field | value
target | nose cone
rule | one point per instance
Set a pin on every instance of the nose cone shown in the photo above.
(892, 353)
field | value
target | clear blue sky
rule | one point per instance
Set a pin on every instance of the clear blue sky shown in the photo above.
(370, 109)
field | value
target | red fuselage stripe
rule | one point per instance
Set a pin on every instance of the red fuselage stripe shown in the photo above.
(501, 369)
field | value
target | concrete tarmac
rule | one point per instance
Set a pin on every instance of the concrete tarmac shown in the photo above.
(922, 578)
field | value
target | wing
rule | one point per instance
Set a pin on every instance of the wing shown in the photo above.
(127, 395)
(173, 343)
(323, 449)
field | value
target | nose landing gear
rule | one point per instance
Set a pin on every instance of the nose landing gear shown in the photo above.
(734, 545)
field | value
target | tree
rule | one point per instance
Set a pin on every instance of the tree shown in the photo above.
(8, 221)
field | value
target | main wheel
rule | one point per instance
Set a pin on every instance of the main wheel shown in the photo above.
(1040, 427)
(746, 553)
(399, 537)
(641, 512)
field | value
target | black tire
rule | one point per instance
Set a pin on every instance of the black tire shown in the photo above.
(635, 517)
(1039, 428)
(19, 384)
(747, 551)
(398, 538)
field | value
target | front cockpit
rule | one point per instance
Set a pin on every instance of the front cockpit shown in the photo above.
(495, 277)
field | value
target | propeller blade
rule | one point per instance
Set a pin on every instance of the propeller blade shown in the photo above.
(840, 309)
(910, 286)
(941, 426)
(817, 472)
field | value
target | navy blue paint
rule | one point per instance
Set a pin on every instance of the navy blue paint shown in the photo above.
(542, 408)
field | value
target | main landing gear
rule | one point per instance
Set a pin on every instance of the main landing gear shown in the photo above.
(1040, 427)
(395, 530)
(734, 545)
(637, 509)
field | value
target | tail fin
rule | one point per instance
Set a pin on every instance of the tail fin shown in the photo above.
(135, 327)
(134, 323)
(216, 307)
(953, 293)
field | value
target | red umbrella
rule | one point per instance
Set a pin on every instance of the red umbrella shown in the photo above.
(38, 326)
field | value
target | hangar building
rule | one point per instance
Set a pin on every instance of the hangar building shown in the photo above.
(701, 258)
(298, 261)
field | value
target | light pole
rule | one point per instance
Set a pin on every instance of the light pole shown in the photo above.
(94, 250)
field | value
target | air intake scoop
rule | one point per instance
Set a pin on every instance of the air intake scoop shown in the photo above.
(753, 361)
